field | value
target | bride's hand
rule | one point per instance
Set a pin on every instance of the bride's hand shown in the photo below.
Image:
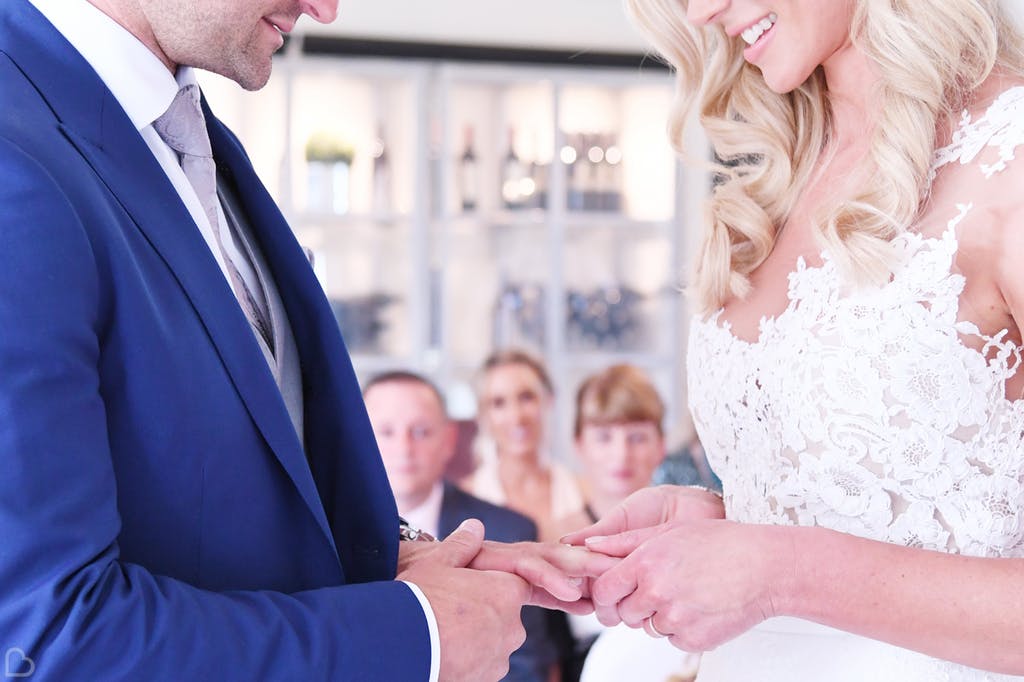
(701, 582)
(649, 507)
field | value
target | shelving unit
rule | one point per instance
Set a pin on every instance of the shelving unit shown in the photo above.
(418, 281)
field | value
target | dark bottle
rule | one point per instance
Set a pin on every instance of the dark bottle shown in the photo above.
(539, 173)
(536, 188)
(469, 174)
(513, 174)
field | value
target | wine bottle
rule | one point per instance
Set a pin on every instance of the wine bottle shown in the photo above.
(539, 173)
(513, 172)
(468, 173)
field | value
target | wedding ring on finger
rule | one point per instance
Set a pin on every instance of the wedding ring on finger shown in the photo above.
(651, 630)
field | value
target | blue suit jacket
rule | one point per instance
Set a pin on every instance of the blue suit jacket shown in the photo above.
(531, 662)
(159, 519)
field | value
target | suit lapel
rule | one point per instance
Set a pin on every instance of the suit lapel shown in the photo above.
(161, 216)
(451, 513)
(339, 440)
(94, 122)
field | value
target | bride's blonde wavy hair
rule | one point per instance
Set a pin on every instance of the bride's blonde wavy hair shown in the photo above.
(929, 56)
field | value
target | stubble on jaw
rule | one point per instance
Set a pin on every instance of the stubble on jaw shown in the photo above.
(226, 37)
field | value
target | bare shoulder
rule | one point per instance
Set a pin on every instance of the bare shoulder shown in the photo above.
(988, 210)
(979, 191)
(1007, 216)
(980, 184)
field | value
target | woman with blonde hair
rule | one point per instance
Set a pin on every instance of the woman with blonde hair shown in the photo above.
(855, 369)
(515, 397)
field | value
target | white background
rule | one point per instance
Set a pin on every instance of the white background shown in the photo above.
(557, 24)
(563, 24)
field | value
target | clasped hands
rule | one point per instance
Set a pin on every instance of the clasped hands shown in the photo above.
(663, 560)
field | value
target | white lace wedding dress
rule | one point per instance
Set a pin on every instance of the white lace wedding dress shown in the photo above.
(866, 412)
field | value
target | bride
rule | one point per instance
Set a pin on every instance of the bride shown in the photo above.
(855, 371)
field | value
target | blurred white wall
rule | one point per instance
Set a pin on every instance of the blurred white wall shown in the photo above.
(1017, 7)
(599, 25)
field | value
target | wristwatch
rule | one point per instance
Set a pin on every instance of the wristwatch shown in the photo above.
(410, 533)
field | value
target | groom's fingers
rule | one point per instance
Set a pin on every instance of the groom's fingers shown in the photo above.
(464, 543)
(555, 569)
(540, 573)
(577, 561)
(543, 599)
(526, 560)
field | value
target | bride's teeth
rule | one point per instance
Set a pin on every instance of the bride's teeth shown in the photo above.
(751, 35)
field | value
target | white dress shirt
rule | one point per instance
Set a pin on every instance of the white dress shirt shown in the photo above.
(145, 87)
(427, 516)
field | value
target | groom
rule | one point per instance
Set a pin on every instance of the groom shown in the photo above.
(192, 488)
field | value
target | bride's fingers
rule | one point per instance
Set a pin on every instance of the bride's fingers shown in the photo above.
(613, 522)
(614, 586)
(622, 544)
(645, 508)
(607, 615)
(638, 607)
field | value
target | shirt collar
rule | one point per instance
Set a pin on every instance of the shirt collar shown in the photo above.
(138, 80)
(427, 516)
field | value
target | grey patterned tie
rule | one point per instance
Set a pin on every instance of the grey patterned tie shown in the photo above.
(183, 128)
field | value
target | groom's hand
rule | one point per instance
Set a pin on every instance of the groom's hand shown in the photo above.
(559, 575)
(477, 611)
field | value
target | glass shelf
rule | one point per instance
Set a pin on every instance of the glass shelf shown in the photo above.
(468, 252)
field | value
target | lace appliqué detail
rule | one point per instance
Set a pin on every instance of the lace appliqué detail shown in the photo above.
(865, 411)
(1001, 127)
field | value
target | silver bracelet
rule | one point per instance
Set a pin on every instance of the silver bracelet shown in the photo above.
(410, 533)
(706, 489)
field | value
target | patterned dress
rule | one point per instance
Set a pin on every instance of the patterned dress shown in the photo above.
(876, 411)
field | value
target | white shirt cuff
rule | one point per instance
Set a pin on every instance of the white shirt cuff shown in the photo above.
(435, 636)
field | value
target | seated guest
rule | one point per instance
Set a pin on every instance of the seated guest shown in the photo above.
(416, 441)
(515, 398)
(618, 440)
(618, 443)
